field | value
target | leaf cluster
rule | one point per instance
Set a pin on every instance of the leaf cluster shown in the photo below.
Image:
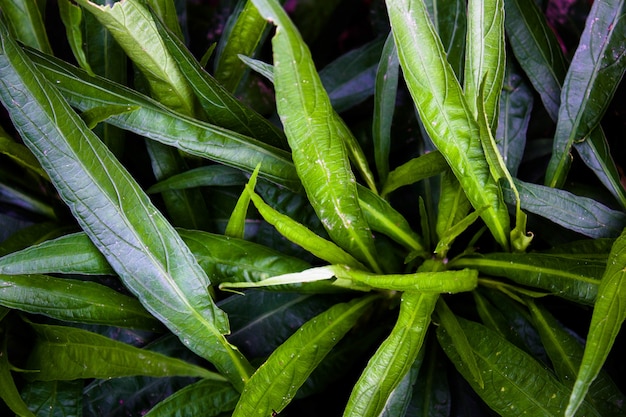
(419, 210)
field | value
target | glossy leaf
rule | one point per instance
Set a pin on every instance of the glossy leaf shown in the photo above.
(206, 176)
(319, 150)
(399, 400)
(189, 135)
(72, 16)
(485, 58)
(133, 27)
(385, 93)
(244, 32)
(275, 383)
(450, 19)
(565, 353)
(135, 238)
(394, 358)
(609, 312)
(73, 300)
(66, 353)
(591, 81)
(424, 166)
(27, 23)
(537, 51)
(580, 214)
(445, 115)
(220, 106)
(515, 383)
(569, 277)
(453, 208)
(204, 398)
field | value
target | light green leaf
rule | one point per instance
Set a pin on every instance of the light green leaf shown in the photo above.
(97, 115)
(20, 154)
(394, 358)
(319, 139)
(206, 176)
(134, 28)
(515, 383)
(445, 115)
(275, 383)
(204, 398)
(449, 236)
(452, 208)
(236, 226)
(485, 58)
(450, 19)
(244, 32)
(74, 301)
(72, 17)
(417, 169)
(609, 313)
(138, 242)
(591, 81)
(66, 353)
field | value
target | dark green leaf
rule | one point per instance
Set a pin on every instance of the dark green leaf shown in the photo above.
(26, 21)
(66, 353)
(54, 398)
(133, 235)
(569, 277)
(8, 390)
(592, 79)
(204, 398)
(609, 313)
(580, 214)
(515, 384)
(275, 383)
(72, 16)
(73, 300)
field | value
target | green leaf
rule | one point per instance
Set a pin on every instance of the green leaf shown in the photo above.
(592, 79)
(383, 218)
(206, 176)
(73, 300)
(431, 394)
(565, 353)
(449, 236)
(424, 166)
(20, 154)
(515, 383)
(244, 32)
(275, 383)
(485, 58)
(400, 398)
(394, 358)
(203, 398)
(453, 207)
(537, 50)
(450, 19)
(58, 398)
(444, 112)
(302, 236)
(137, 241)
(580, 214)
(8, 390)
(319, 149)
(155, 122)
(26, 22)
(72, 17)
(450, 324)
(385, 94)
(134, 28)
(570, 277)
(66, 353)
(220, 106)
(609, 312)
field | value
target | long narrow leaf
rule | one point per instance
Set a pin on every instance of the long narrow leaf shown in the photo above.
(394, 357)
(609, 313)
(26, 20)
(136, 239)
(446, 117)
(317, 137)
(66, 353)
(8, 390)
(204, 398)
(593, 76)
(275, 383)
